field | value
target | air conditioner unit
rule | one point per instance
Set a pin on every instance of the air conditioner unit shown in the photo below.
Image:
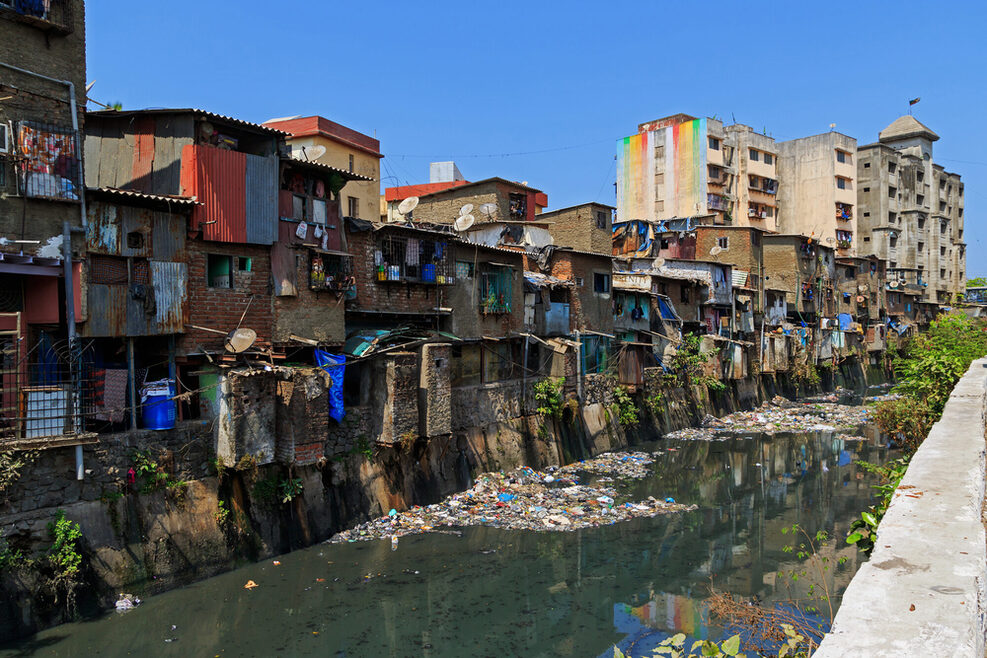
(5, 138)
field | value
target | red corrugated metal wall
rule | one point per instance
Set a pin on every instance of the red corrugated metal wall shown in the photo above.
(143, 163)
(217, 178)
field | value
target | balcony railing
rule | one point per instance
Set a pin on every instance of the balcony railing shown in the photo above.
(48, 15)
(47, 160)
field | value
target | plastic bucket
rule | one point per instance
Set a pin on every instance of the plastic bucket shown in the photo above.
(158, 410)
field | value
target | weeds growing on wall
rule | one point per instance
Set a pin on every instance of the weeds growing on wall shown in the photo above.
(11, 463)
(550, 397)
(863, 531)
(624, 407)
(152, 477)
(64, 559)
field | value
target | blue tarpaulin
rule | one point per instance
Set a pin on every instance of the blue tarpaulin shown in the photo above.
(335, 366)
(667, 312)
(845, 321)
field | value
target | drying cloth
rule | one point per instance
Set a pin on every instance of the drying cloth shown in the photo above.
(411, 252)
(115, 394)
(335, 366)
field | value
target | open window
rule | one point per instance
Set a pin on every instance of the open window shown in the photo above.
(219, 271)
(495, 288)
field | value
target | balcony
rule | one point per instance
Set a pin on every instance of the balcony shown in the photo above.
(844, 212)
(717, 202)
(52, 16)
(47, 161)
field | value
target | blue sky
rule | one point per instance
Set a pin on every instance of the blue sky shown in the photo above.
(556, 84)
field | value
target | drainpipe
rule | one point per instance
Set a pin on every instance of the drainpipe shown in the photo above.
(579, 367)
(67, 250)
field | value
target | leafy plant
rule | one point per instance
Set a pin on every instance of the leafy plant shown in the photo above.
(222, 515)
(11, 463)
(863, 531)
(9, 558)
(655, 402)
(64, 557)
(624, 407)
(906, 420)
(549, 396)
(674, 647)
(687, 365)
(290, 489)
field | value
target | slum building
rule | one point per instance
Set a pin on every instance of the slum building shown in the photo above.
(42, 216)
(491, 198)
(586, 227)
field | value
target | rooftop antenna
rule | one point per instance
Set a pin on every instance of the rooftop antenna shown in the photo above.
(314, 153)
(832, 127)
(406, 207)
(463, 222)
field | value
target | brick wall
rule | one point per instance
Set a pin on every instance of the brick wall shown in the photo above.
(221, 308)
(318, 315)
(467, 322)
(444, 208)
(576, 227)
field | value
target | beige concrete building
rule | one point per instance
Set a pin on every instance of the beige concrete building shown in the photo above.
(586, 227)
(817, 192)
(345, 149)
(911, 211)
(756, 187)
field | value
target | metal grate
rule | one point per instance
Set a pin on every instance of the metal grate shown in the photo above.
(48, 161)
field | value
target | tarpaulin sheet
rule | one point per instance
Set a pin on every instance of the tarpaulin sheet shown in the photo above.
(845, 321)
(335, 366)
(667, 312)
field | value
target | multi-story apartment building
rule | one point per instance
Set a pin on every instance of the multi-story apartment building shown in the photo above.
(681, 166)
(817, 194)
(911, 211)
(345, 149)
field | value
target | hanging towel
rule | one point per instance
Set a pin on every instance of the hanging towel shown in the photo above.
(411, 252)
(115, 394)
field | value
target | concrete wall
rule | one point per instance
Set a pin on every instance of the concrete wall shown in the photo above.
(924, 590)
(577, 227)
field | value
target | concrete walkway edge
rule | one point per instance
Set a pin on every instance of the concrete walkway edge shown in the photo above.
(922, 593)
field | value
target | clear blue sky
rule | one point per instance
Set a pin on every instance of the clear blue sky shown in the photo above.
(557, 83)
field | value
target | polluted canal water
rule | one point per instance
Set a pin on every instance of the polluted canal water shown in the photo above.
(500, 591)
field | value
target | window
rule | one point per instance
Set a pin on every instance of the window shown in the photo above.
(464, 269)
(841, 182)
(942, 274)
(841, 156)
(921, 246)
(580, 281)
(866, 214)
(755, 238)
(866, 189)
(753, 155)
(892, 192)
(920, 199)
(108, 270)
(920, 175)
(412, 259)
(866, 165)
(495, 289)
(299, 208)
(723, 243)
(244, 264)
(769, 159)
(714, 143)
(866, 239)
(351, 165)
(219, 271)
(353, 206)
(601, 219)
(601, 282)
(892, 240)
(683, 293)
(942, 251)
(921, 222)
(891, 167)
(319, 211)
(519, 206)
(660, 152)
(892, 217)
(135, 240)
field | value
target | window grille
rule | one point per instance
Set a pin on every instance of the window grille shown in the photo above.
(413, 260)
(48, 161)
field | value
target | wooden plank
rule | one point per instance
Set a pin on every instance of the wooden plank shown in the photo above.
(167, 161)
(91, 146)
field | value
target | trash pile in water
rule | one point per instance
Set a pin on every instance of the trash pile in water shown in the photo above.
(777, 416)
(526, 499)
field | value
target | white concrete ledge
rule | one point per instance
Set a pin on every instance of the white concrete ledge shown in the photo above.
(922, 593)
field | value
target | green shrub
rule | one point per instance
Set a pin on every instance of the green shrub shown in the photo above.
(624, 407)
(550, 397)
(64, 558)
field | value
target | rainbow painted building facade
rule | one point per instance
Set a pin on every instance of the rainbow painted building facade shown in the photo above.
(662, 170)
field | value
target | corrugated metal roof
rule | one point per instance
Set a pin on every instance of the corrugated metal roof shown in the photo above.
(192, 110)
(740, 278)
(180, 201)
(329, 169)
(261, 215)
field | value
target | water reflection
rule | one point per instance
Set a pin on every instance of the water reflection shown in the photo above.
(490, 592)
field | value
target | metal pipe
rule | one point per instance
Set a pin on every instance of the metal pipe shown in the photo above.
(132, 377)
(579, 367)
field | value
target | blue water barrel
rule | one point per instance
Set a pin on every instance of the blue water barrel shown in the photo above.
(158, 411)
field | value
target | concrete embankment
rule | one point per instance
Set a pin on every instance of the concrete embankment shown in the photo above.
(146, 542)
(924, 590)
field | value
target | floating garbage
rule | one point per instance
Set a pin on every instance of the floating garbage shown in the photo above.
(127, 602)
(526, 499)
(777, 416)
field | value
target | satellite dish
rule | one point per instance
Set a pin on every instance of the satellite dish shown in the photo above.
(465, 210)
(715, 250)
(659, 262)
(314, 153)
(409, 204)
(893, 284)
(90, 86)
(239, 340)
(488, 209)
(830, 240)
(463, 222)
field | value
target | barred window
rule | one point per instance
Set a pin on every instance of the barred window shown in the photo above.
(108, 270)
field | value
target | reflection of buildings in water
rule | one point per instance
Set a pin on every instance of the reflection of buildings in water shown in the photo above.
(668, 612)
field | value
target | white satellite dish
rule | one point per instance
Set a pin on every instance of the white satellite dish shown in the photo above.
(463, 222)
(465, 210)
(409, 204)
(314, 153)
(488, 209)
(893, 284)
(715, 250)
(830, 240)
(659, 262)
(90, 86)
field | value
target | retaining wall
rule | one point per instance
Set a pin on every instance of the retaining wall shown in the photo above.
(923, 591)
